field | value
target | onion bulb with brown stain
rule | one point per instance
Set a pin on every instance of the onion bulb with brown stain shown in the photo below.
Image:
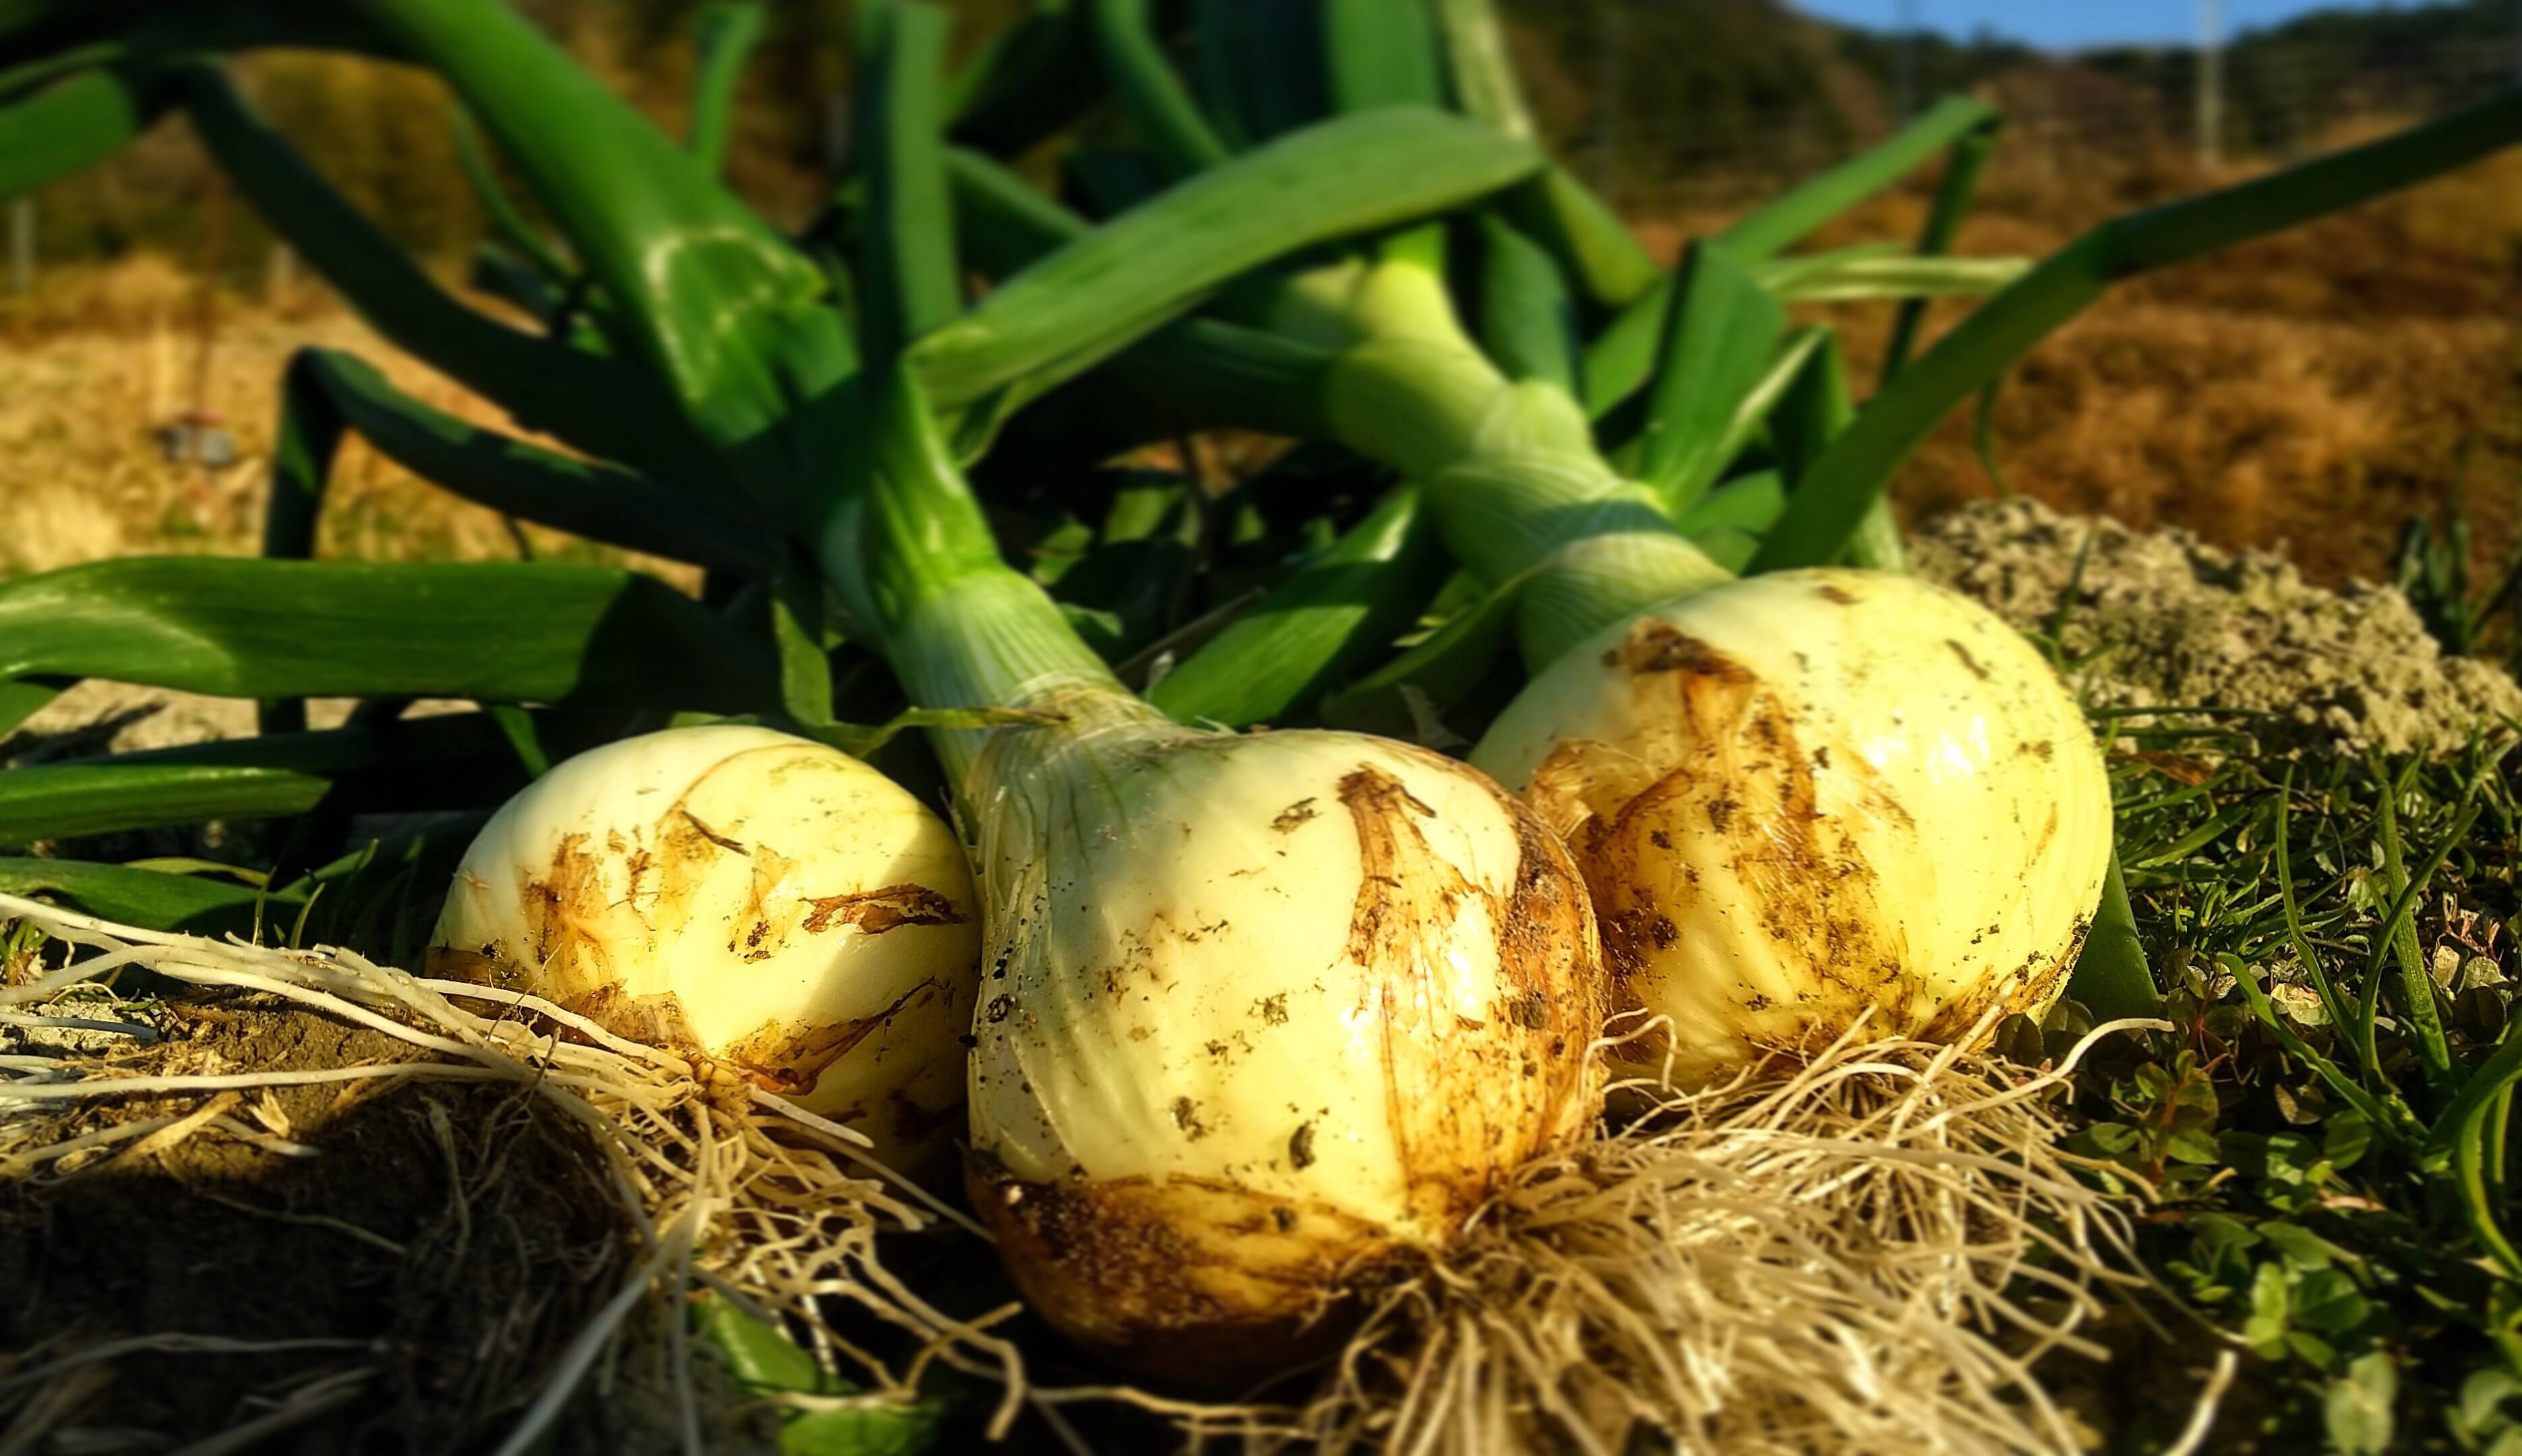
(750, 896)
(1814, 794)
(1262, 1018)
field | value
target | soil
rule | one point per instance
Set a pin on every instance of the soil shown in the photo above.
(2161, 618)
(446, 1236)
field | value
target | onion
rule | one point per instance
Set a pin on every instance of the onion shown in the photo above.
(1811, 795)
(758, 898)
(1264, 1016)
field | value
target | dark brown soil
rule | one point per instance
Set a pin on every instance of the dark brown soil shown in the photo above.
(452, 1235)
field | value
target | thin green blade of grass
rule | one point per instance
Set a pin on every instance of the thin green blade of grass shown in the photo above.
(2331, 1004)
(1834, 495)
(502, 631)
(2465, 1139)
(2398, 938)
(2387, 1116)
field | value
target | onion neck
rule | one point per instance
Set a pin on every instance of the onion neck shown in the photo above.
(917, 565)
(1519, 489)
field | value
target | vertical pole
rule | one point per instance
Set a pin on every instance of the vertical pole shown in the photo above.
(1905, 84)
(1610, 41)
(22, 245)
(2211, 83)
(280, 273)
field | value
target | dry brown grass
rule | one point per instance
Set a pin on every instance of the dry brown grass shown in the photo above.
(95, 362)
(2317, 388)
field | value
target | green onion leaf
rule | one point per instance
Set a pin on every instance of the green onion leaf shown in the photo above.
(1316, 627)
(724, 36)
(1720, 336)
(1781, 224)
(1380, 53)
(498, 631)
(1127, 277)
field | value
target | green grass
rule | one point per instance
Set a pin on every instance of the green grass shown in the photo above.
(2306, 1218)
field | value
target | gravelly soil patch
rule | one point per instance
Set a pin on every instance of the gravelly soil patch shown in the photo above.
(2164, 619)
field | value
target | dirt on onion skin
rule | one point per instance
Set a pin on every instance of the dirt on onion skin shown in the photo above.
(455, 1234)
(2177, 623)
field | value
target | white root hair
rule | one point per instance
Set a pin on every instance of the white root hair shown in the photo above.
(729, 1188)
(1870, 1248)
(1871, 1251)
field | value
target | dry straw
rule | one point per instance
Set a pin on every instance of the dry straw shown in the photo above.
(1871, 1251)
(731, 1189)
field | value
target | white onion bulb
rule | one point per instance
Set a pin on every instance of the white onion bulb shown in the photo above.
(762, 899)
(1260, 1013)
(1806, 795)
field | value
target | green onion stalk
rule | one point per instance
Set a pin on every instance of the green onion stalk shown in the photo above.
(1804, 802)
(1262, 1015)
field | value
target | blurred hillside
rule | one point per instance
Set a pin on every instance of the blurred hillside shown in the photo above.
(2319, 387)
(1662, 103)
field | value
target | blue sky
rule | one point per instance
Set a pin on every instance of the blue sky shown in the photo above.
(2066, 23)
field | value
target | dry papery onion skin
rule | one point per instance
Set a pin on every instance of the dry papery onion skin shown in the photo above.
(756, 897)
(1263, 1013)
(1813, 796)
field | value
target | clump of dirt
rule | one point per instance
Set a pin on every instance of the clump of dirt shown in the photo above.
(2167, 620)
(377, 1265)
